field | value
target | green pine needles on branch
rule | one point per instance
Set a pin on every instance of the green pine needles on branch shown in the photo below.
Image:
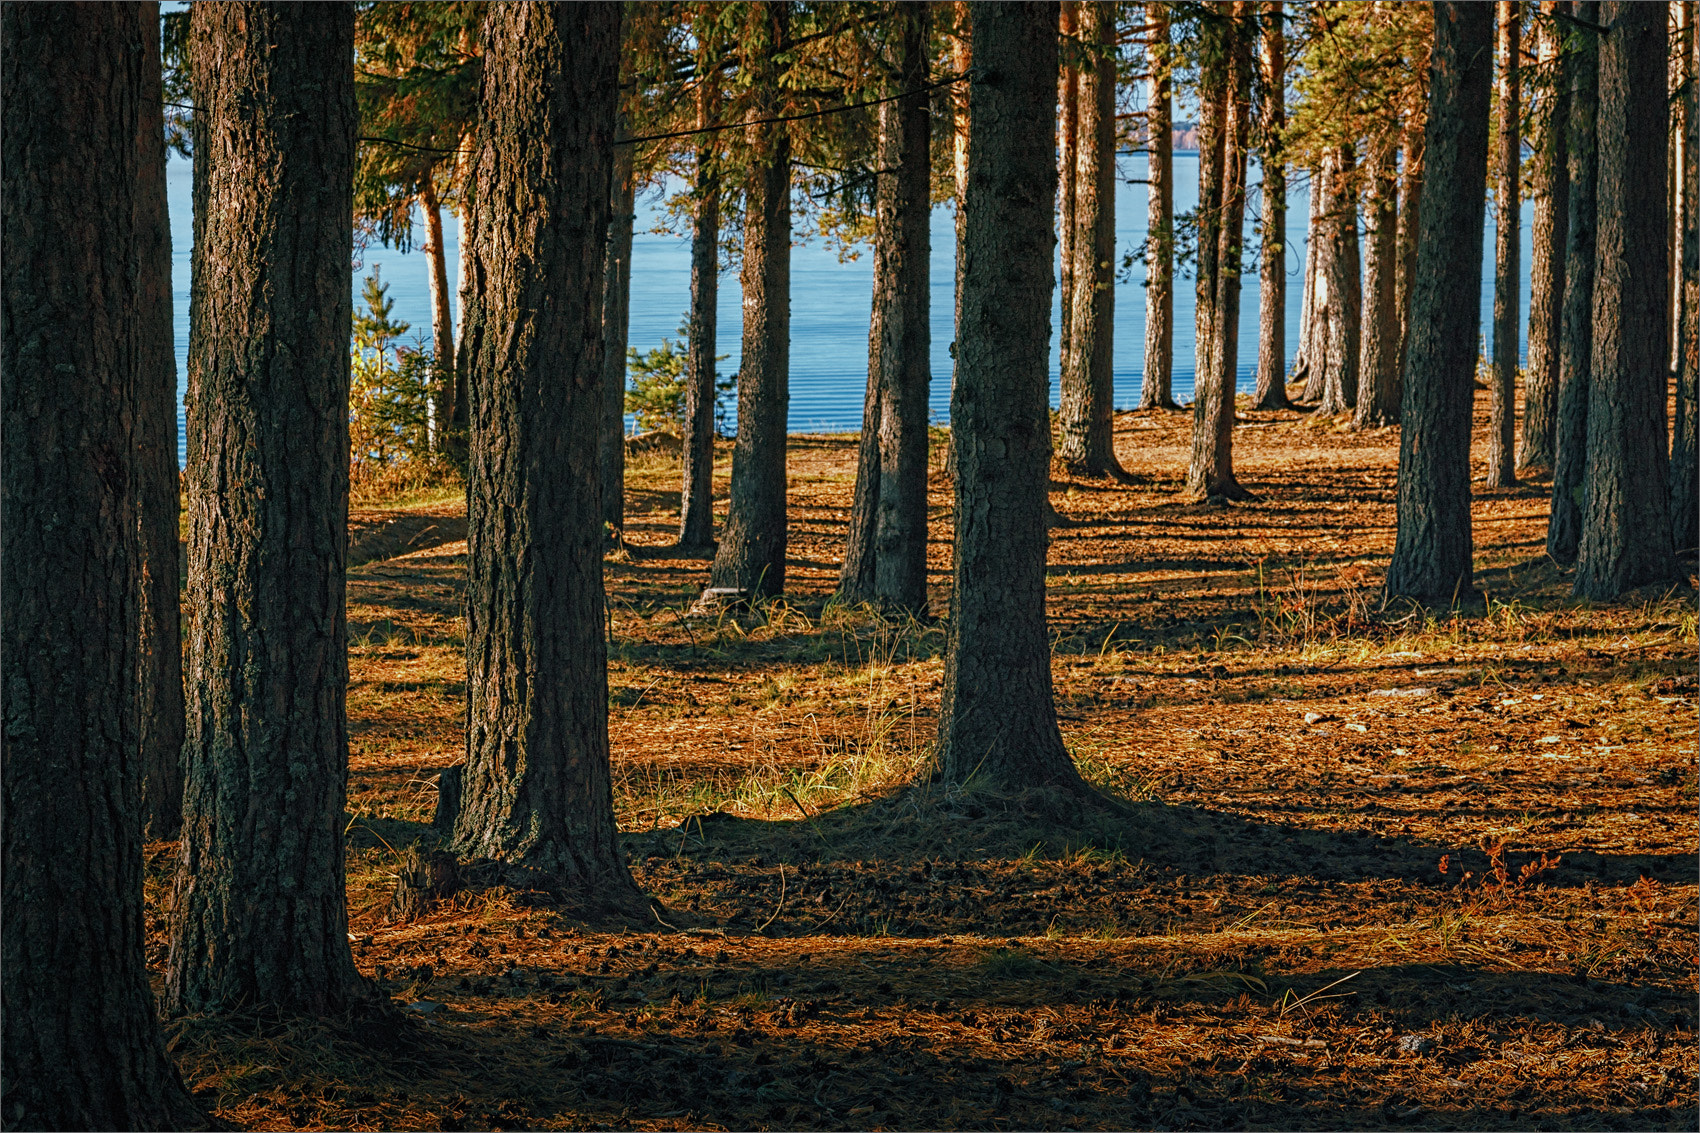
(390, 404)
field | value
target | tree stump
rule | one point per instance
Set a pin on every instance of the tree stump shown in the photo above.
(448, 798)
(422, 878)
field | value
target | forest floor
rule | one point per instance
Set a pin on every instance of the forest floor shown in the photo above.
(1382, 867)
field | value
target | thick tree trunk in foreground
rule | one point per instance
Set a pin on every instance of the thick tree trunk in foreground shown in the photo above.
(159, 492)
(1156, 390)
(1432, 551)
(998, 722)
(886, 552)
(1087, 415)
(536, 790)
(1684, 457)
(82, 1048)
(1272, 279)
(260, 911)
(751, 556)
(1339, 391)
(1507, 276)
(1223, 134)
(616, 323)
(1546, 269)
(1378, 386)
(442, 318)
(1576, 337)
(1626, 520)
(696, 496)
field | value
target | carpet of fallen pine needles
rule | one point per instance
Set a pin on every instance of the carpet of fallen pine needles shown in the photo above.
(1376, 866)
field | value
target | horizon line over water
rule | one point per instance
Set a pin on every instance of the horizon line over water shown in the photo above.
(830, 300)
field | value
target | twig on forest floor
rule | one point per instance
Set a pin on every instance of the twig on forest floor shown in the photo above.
(776, 908)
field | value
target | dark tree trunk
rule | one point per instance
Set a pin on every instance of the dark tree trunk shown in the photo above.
(1345, 290)
(1684, 457)
(1546, 269)
(1223, 133)
(1410, 208)
(1626, 519)
(1087, 416)
(1272, 280)
(1325, 251)
(261, 917)
(696, 497)
(442, 319)
(1068, 143)
(82, 1048)
(616, 322)
(1581, 69)
(1431, 553)
(751, 556)
(998, 723)
(1156, 390)
(159, 499)
(1507, 276)
(1379, 362)
(886, 553)
(536, 791)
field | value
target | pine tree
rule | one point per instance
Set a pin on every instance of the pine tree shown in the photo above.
(1507, 280)
(1546, 251)
(1156, 385)
(1272, 279)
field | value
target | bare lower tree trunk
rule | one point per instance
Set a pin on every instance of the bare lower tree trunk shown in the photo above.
(616, 327)
(1684, 457)
(1576, 339)
(1156, 387)
(81, 136)
(1302, 364)
(1272, 280)
(696, 496)
(1323, 185)
(442, 318)
(1546, 269)
(751, 556)
(1087, 415)
(1625, 523)
(1410, 206)
(998, 723)
(536, 791)
(261, 916)
(1507, 279)
(1068, 142)
(1345, 291)
(1432, 551)
(1223, 134)
(1379, 360)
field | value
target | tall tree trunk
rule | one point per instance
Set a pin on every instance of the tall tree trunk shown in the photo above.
(616, 325)
(536, 791)
(696, 497)
(1580, 71)
(1156, 390)
(1379, 360)
(998, 723)
(261, 917)
(1432, 551)
(454, 434)
(1546, 269)
(1322, 306)
(885, 554)
(1626, 519)
(1304, 358)
(1410, 208)
(1345, 290)
(751, 556)
(1684, 457)
(1068, 149)
(160, 497)
(1507, 276)
(81, 130)
(442, 318)
(1676, 161)
(1223, 134)
(1087, 415)
(1272, 279)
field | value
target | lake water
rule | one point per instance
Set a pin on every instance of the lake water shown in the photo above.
(830, 299)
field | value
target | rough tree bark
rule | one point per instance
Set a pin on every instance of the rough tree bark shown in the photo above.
(1507, 275)
(1626, 519)
(696, 497)
(1344, 289)
(998, 722)
(442, 318)
(1325, 187)
(1068, 141)
(1378, 363)
(161, 672)
(81, 1046)
(1272, 281)
(885, 553)
(751, 555)
(1156, 389)
(1410, 208)
(1223, 134)
(1304, 364)
(1087, 414)
(1432, 550)
(536, 791)
(1685, 452)
(260, 911)
(1546, 252)
(616, 323)
(1581, 71)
